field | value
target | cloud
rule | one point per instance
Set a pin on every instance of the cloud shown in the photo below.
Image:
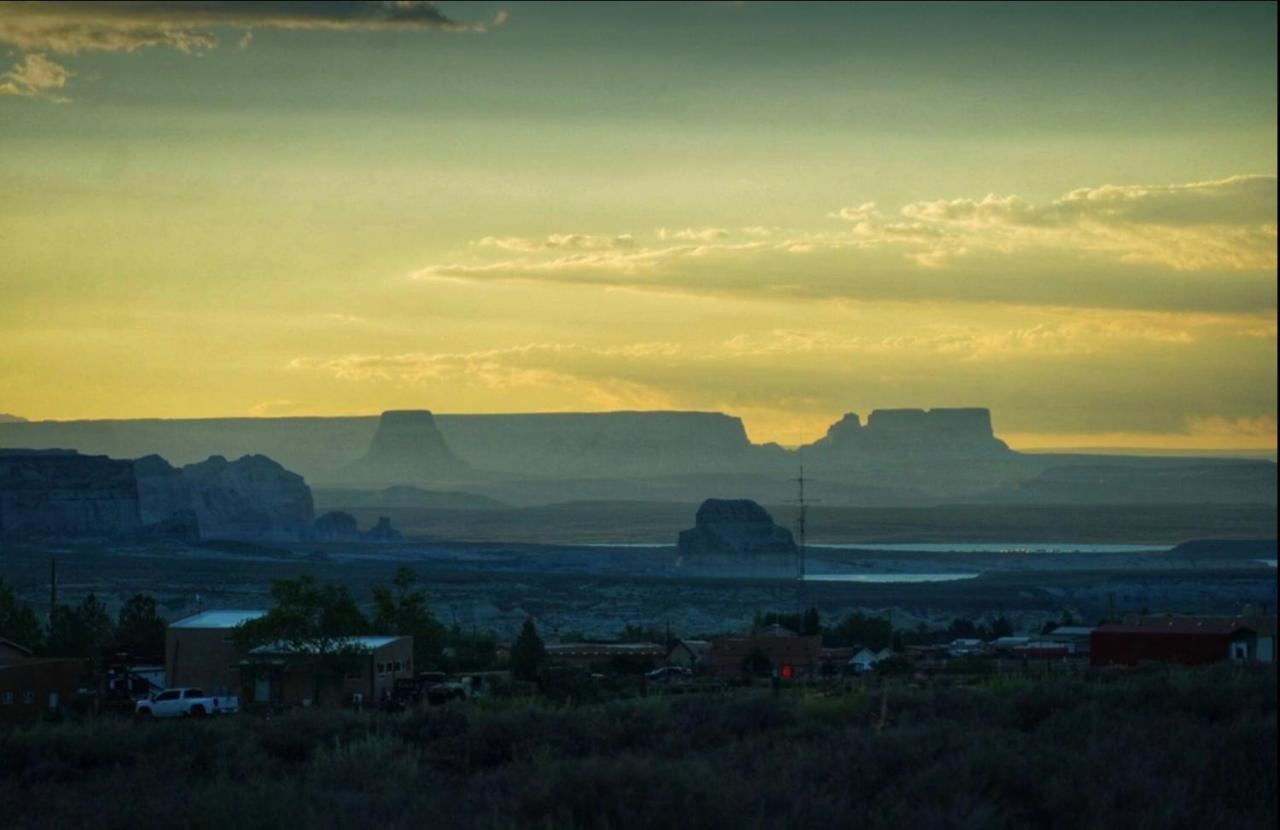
(1224, 224)
(557, 242)
(1206, 245)
(694, 234)
(35, 77)
(69, 28)
(501, 17)
(575, 374)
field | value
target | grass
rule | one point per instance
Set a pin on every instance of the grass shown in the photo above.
(1149, 748)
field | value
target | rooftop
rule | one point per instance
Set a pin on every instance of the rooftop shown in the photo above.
(369, 643)
(1071, 631)
(1173, 627)
(217, 619)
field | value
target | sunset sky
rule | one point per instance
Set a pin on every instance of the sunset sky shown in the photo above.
(1066, 213)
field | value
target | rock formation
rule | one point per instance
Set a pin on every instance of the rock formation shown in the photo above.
(383, 531)
(734, 527)
(337, 525)
(252, 496)
(406, 449)
(63, 493)
(914, 432)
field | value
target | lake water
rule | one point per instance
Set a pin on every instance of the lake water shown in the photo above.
(991, 547)
(938, 547)
(883, 578)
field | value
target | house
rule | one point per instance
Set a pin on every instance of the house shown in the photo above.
(1009, 643)
(835, 659)
(1041, 650)
(367, 670)
(688, 654)
(801, 655)
(32, 688)
(11, 651)
(965, 647)
(1171, 641)
(201, 651)
(1074, 637)
(626, 656)
(864, 660)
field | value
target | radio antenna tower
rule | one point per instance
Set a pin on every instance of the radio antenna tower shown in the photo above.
(802, 521)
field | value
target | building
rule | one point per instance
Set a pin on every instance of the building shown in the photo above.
(618, 656)
(1041, 650)
(1263, 627)
(11, 651)
(201, 651)
(33, 688)
(802, 656)
(1170, 641)
(283, 675)
(1075, 637)
(866, 659)
(689, 654)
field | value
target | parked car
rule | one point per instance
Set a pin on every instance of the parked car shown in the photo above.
(182, 703)
(668, 674)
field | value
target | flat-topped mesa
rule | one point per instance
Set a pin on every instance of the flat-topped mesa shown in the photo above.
(734, 527)
(63, 493)
(407, 448)
(955, 432)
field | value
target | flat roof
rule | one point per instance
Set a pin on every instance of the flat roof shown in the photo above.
(217, 619)
(369, 643)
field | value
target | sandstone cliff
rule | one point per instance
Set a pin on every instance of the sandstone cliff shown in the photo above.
(62, 493)
(913, 432)
(734, 527)
(252, 496)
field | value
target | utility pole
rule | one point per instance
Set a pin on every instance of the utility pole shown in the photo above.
(801, 521)
(53, 588)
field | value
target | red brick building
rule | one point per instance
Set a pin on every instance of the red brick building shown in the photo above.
(1170, 641)
(729, 655)
(32, 688)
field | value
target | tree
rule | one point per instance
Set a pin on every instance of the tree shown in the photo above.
(80, 631)
(469, 651)
(811, 625)
(757, 664)
(1001, 628)
(139, 628)
(18, 622)
(402, 609)
(528, 654)
(858, 629)
(310, 628)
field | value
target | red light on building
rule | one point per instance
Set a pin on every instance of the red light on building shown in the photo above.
(787, 672)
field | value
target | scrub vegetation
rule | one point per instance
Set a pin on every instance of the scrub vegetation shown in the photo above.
(1152, 747)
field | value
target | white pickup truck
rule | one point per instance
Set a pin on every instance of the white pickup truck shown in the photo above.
(182, 703)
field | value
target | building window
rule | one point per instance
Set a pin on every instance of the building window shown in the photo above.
(6, 698)
(382, 668)
(408, 665)
(397, 667)
(28, 696)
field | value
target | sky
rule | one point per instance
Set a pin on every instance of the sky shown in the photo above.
(782, 211)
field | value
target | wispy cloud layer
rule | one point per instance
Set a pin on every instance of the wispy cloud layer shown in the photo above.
(72, 27)
(1116, 235)
(1224, 224)
(69, 28)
